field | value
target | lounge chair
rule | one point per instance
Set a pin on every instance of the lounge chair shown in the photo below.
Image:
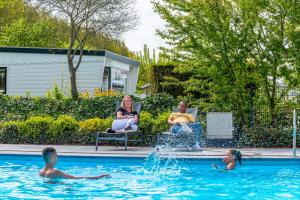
(176, 140)
(126, 136)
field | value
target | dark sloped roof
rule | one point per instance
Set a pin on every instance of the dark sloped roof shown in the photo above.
(108, 54)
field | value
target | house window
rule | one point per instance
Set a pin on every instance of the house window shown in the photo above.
(119, 81)
(106, 82)
(3, 80)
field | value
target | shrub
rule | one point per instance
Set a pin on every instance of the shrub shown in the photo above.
(65, 130)
(266, 137)
(161, 123)
(10, 132)
(103, 106)
(146, 123)
(158, 103)
(38, 130)
(151, 125)
(91, 126)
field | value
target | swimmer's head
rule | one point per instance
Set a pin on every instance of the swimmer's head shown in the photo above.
(236, 155)
(49, 155)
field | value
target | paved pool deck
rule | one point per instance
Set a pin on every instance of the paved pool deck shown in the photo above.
(104, 151)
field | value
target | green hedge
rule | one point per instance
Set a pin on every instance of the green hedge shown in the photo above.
(266, 137)
(67, 130)
(21, 108)
(62, 120)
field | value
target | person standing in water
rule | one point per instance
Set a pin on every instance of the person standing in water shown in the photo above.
(50, 157)
(230, 159)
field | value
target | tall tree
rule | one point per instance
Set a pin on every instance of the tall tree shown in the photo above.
(234, 45)
(85, 18)
(22, 33)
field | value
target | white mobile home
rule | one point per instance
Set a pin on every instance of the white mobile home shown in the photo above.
(36, 70)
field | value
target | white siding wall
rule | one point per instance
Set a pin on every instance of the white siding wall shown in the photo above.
(116, 64)
(37, 73)
(132, 72)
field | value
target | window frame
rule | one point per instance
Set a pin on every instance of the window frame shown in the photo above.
(5, 79)
(109, 87)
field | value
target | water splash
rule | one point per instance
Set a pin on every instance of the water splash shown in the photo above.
(161, 162)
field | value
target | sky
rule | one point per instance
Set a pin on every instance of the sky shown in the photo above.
(145, 32)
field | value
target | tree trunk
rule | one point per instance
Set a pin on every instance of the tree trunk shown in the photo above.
(74, 91)
(72, 72)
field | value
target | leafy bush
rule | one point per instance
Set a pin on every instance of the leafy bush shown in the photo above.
(160, 123)
(266, 137)
(21, 108)
(38, 130)
(90, 126)
(65, 130)
(151, 125)
(158, 103)
(10, 132)
(146, 123)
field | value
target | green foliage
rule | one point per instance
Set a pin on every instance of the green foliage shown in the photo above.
(23, 25)
(22, 33)
(146, 124)
(95, 114)
(38, 130)
(228, 46)
(266, 137)
(10, 132)
(21, 108)
(46, 130)
(67, 130)
(64, 129)
(145, 70)
(92, 126)
(147, 74)
(56, 93)
(152, 125)
(158, 103)
(160, 123)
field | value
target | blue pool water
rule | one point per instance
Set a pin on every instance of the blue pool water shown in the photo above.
(136, 178)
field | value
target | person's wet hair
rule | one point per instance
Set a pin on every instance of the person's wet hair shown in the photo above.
(237, 154)
(47, 153)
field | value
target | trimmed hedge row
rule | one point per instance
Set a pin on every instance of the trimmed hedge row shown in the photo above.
(67, 130)
(266, 137)
(21, 108)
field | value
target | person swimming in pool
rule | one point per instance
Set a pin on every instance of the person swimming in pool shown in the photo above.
(50, 157)
(231, 158)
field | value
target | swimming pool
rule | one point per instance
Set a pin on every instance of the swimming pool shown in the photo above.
(135, 178)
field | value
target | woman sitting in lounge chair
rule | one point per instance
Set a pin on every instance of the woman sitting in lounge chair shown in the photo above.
(127, 118)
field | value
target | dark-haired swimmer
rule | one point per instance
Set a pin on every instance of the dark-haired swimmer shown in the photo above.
(50, 158)
(231, 158)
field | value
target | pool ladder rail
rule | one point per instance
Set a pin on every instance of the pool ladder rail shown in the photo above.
(295, 133)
